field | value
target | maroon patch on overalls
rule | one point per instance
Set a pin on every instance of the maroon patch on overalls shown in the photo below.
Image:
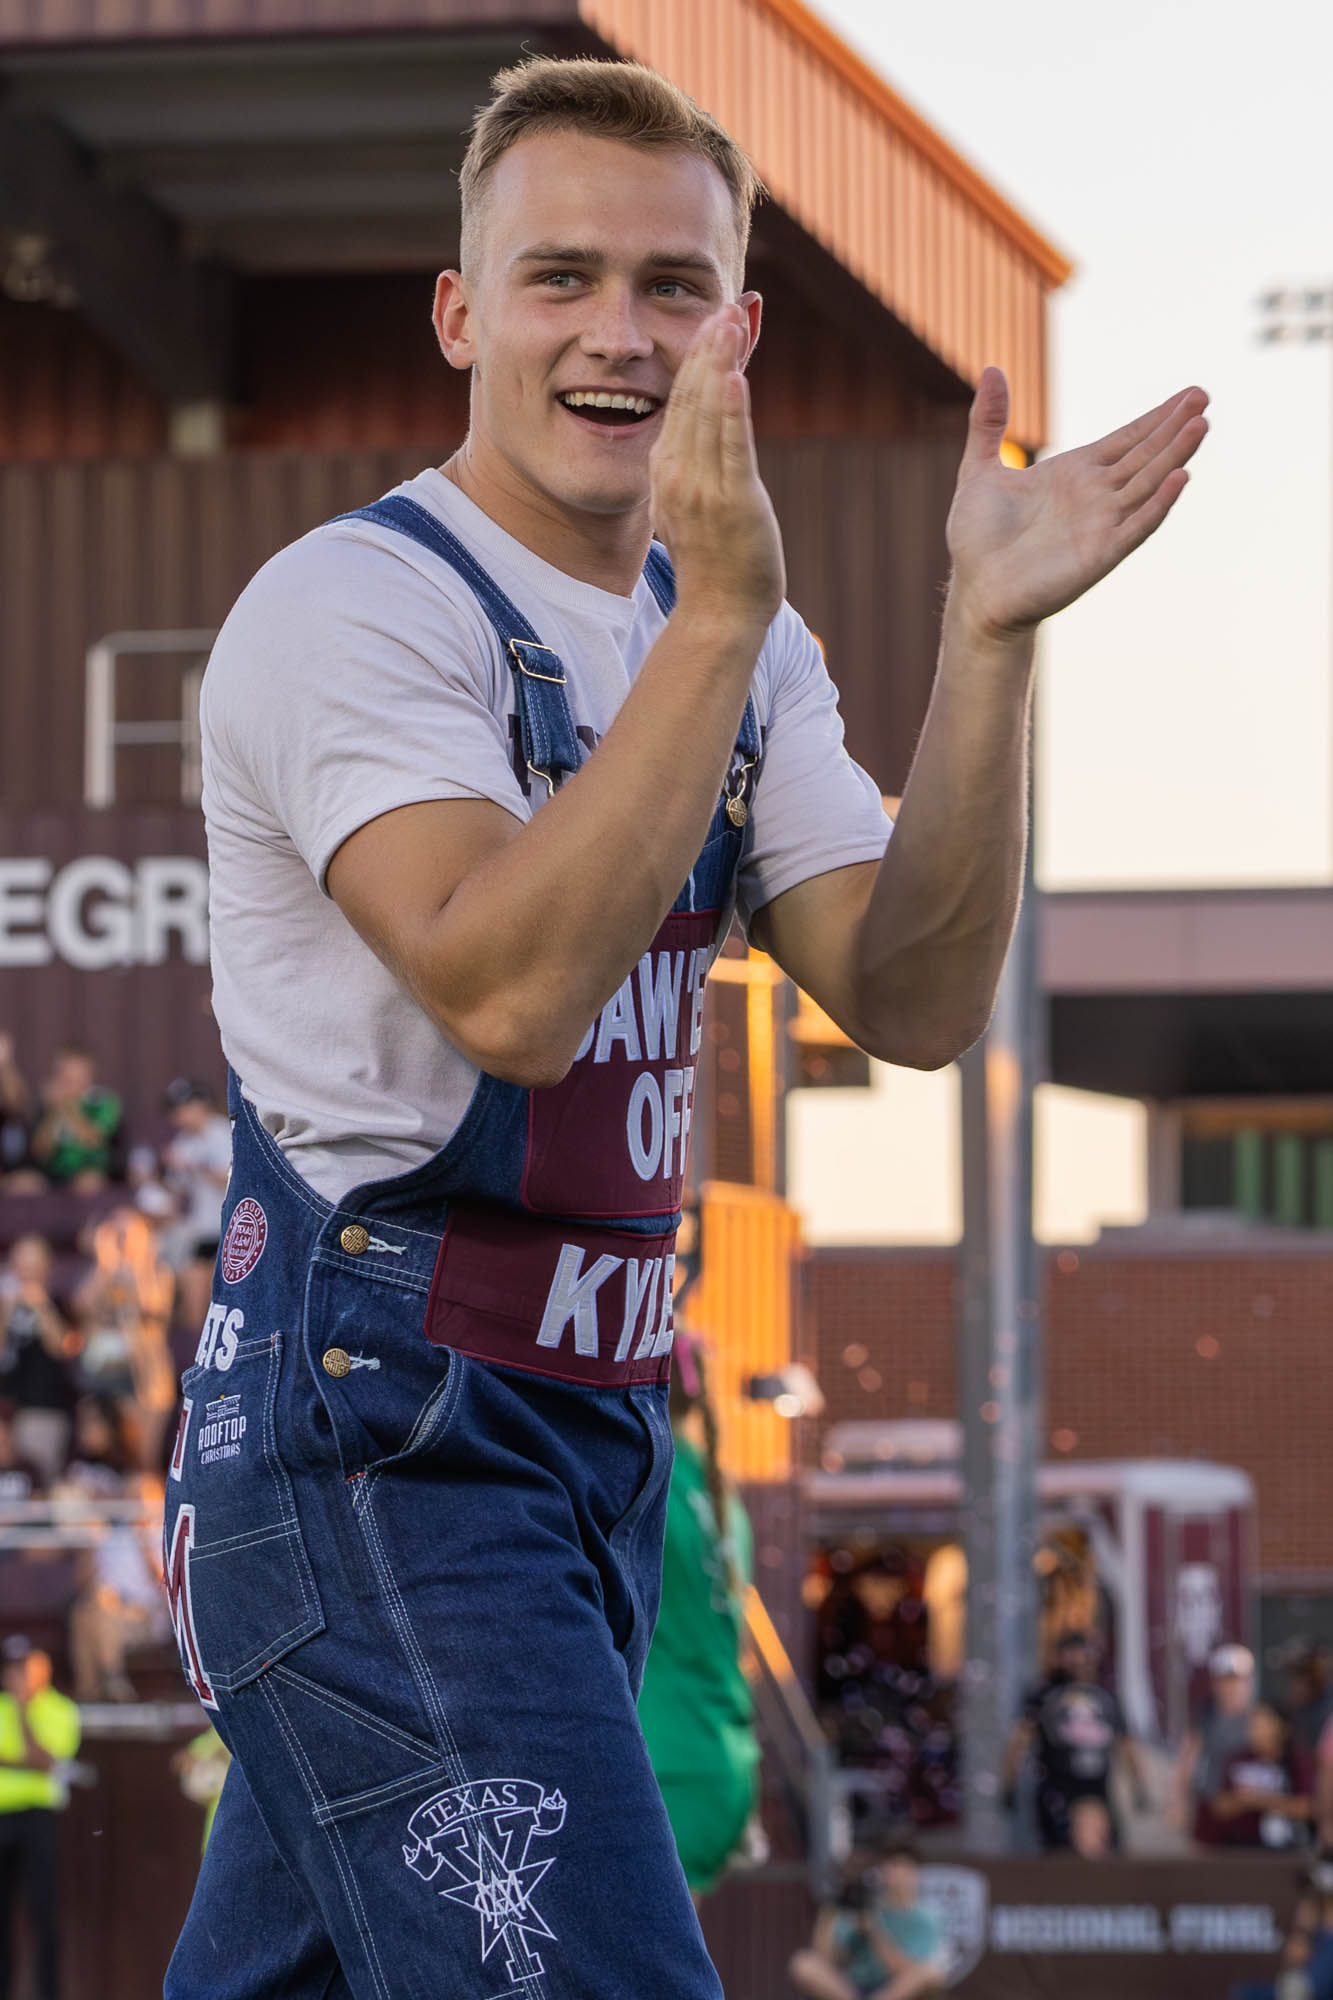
(554, 1298)
(243, 1244)
(610, 1140)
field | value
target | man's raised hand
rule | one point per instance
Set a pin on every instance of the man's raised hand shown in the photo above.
(708, 501)
(1025, 543)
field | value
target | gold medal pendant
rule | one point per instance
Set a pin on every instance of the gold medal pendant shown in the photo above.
(737, 811)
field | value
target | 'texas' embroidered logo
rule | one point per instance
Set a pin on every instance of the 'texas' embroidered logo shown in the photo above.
(482, 1834)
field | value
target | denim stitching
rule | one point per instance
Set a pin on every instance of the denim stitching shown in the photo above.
(356, 1803)
(349, 1269)
(341, 1705)
(233, 1681)
(350, 1890)
(439, 1412)
(285, 1501)
(278, 1160)
(407, 1638)
(275, 1531)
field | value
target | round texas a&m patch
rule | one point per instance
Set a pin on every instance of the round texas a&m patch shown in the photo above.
(243, 1244)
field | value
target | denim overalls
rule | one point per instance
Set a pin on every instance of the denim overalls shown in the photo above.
(416, 1501)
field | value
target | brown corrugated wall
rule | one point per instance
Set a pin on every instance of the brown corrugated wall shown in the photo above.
(93, 547)
(351, 364)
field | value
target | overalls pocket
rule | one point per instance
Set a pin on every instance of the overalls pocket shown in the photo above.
(239, 1581)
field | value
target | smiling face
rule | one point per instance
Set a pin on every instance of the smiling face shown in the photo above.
(599, 262)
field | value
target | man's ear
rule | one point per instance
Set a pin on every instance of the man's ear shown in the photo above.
(752, 305)
(452, 318)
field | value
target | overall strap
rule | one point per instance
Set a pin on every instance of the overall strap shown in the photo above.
(550, 747)
(661, 580)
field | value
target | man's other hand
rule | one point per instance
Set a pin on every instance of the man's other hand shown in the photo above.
(1025, 543)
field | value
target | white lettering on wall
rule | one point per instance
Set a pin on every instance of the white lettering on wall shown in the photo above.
(88, 913)
(22, 941)
(97, 912)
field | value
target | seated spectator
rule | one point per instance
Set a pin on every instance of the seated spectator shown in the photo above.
(198, 1166)
(124, 1306)
(36, 1374)
(877, 1940)
(74, 1137)
(120, 1603)
(16, 1175)
(1075, 1730)
(1263, 1798)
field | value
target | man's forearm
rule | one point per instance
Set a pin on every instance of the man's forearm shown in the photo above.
(937, 926)
(547, 928)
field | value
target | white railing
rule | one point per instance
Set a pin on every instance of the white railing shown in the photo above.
(104, 735)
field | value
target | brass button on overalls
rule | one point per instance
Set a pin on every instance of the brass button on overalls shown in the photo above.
(355, 1239)
(336, 1362)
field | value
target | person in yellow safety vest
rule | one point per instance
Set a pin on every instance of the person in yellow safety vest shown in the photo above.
(39, 1731)
(201, 1765)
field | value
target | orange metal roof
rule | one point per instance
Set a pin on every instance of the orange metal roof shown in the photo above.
(865, 175)
(840, 151)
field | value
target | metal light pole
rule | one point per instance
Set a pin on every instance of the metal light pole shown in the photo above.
(1296, 318)
(1000, 1379)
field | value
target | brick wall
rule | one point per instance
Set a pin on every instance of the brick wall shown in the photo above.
(1220, 1356)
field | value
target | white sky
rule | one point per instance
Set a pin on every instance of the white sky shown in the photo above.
(1181, 153)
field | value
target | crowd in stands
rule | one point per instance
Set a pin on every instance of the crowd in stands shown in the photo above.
(107, 1242)
(1254, 1772)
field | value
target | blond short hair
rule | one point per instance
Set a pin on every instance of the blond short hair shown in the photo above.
(607, 100)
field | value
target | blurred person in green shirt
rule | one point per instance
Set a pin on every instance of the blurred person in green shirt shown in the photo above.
(878, 1941)
(73, 1140)
(696, 1708)
(39, 1730)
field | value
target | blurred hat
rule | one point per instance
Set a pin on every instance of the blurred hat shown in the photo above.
(153, 1201)
(1226, 1662)
(16, 1647)
(185, 1090)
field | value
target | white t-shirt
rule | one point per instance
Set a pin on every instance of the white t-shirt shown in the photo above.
(194, 1162)
(358, 673)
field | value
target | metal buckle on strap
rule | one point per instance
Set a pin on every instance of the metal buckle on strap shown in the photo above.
(537, 770)
(533, 646)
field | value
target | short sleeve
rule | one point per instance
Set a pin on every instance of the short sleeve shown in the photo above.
(815, 809)
(345, 684)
